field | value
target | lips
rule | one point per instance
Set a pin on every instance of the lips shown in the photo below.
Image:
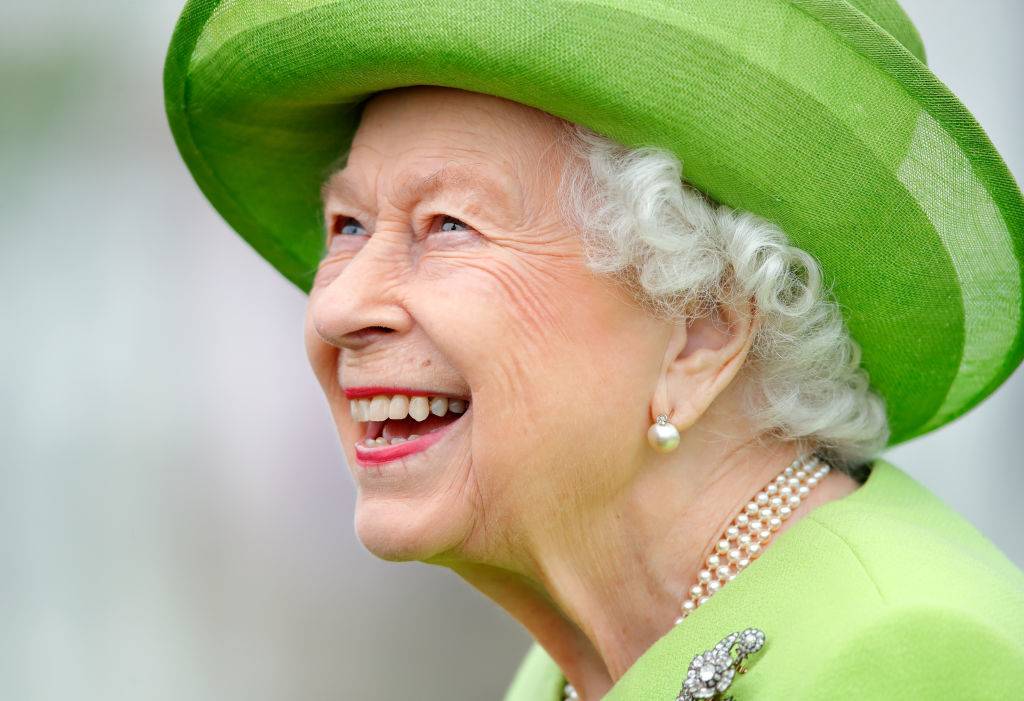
(371, 390)
(386, 453)
(401, 421)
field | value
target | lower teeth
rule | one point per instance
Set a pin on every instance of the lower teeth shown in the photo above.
(377, 442)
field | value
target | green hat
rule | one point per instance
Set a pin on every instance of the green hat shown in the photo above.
(819, 115)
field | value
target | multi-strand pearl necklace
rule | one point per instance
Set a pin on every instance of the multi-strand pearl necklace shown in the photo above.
(748, 534)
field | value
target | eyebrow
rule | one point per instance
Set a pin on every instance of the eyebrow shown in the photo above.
(408, 188)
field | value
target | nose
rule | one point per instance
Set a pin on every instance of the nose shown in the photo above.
(363, 304)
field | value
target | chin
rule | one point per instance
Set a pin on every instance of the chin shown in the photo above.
(412, 497)
(407, 529)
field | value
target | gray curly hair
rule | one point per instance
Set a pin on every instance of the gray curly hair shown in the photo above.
(683, 254)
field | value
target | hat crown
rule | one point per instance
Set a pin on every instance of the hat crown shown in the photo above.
(888, 15)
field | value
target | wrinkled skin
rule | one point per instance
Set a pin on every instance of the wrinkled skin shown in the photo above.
(545, 495)
(502, 310)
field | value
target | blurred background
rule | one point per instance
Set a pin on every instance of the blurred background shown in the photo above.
(175, 513)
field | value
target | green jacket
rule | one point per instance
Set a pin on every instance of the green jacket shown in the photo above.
(884, 594)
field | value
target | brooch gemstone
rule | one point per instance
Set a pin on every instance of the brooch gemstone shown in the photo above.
(711, 672)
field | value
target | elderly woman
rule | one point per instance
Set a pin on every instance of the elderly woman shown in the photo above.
(640, 416)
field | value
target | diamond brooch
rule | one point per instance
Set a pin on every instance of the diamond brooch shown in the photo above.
(712, 671)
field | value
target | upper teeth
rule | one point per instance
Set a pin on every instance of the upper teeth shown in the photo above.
(398, 406)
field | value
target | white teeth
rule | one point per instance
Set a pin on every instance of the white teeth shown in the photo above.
(399, 407)
(439, 406)
(412, 437)
(396, 440)
(379, 406)
(419, 408)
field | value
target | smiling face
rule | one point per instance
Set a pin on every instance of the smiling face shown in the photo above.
(454, 295)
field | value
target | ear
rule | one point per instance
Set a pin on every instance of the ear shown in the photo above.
(703, 356)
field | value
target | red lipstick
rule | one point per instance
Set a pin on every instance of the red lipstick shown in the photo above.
(386, 453)
(366, 392)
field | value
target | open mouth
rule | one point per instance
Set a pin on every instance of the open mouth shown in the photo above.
(398, 424)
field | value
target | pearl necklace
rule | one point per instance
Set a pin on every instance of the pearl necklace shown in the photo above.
(748, 534)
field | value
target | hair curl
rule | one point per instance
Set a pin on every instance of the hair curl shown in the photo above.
(683, 254)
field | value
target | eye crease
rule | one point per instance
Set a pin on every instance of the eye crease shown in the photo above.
(349, 226)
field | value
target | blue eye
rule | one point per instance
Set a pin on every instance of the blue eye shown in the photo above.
(452, 220)
(348, 226)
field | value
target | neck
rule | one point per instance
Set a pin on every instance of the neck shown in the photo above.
(598, 594)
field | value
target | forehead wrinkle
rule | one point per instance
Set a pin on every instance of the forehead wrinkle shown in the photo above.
(466, 179)
(338, 187)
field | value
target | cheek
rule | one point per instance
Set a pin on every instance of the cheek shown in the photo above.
(504, 316)
(540, 341)
(323, 357)
(334, 261)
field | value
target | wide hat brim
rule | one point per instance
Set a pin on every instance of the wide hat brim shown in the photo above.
(806, 112)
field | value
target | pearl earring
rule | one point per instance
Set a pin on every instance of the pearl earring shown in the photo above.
(663, 436)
